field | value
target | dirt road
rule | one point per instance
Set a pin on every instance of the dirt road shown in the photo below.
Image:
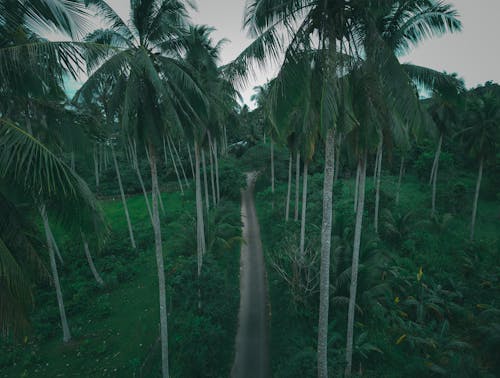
(252, 359)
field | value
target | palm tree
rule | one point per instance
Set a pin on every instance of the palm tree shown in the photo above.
(482, 129)
(443, 108)
(384, 95)
(151, 81)
(26, 164)
(202, 56)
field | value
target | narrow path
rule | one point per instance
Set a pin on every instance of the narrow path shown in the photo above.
(252, 359)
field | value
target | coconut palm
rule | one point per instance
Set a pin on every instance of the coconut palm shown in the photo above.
(384, 88)
(32, 86)
(482, 129)
(151, 81)
(202, 56)
(444, 109)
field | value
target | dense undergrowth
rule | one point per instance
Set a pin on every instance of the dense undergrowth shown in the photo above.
(116, 328)
(428, 299)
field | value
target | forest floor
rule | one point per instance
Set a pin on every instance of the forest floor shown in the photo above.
(252, 355)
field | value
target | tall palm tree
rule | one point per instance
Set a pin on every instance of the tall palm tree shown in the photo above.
(302, 23)
(383, 92)
(202, 56)
(444, 109)
(482, 121)
(35, 169)
(150, 81)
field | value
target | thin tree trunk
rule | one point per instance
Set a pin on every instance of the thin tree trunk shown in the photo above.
(179, 160)
(216, 158)
(375, 168)
(160, 201)
(435, 172)
(190, 160)
(124, 201)
(272, 166)
(356, 189)
(337, 158)
(105, 158)
(326, 238)
(173, 162)
(436, 159)
(303, 220)
(297, 186)
(401, 172)
(377, 189)
(476, 197)
(159, 263)
(96, 167)
(135, 164)
(101, 158)
(204, 166)
(56, 247)
(225, 140)
(289, 190)
(55, 275)
(212, 179)
(355, 265)
(94, 271)
(200, 226)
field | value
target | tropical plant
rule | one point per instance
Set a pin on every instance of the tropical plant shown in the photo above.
(28, 166)
(149, 85)
(480, 135)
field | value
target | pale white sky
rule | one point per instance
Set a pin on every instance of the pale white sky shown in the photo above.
(474, 54)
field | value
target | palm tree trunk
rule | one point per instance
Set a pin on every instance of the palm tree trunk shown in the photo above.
(337, 159)
(56, 248)
(204, 166)
(101, 158)
(401, 172)
(272, 166)
(55, 275)
(303, 220)
(225, 141)
(375, 168)
(212, 179)
(173, 162)
(105, 158)
(476, 197)
(90, 261)
(190, 160)
(135, 164)
(200, 226)
(436, 159)
(297, 186)
(326, 238)
(216, 158)
(289, 190)
(355, 265)
(435, 174)
(377, 190)
(178, 160)
(124, 201)
(96, 167)
(159, 263)
(356, 189)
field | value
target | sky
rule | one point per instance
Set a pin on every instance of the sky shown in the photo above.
(474, 54)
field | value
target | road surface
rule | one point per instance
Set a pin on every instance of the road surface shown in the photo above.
(252, 358)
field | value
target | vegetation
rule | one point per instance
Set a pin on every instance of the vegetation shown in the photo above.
(395, 276)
